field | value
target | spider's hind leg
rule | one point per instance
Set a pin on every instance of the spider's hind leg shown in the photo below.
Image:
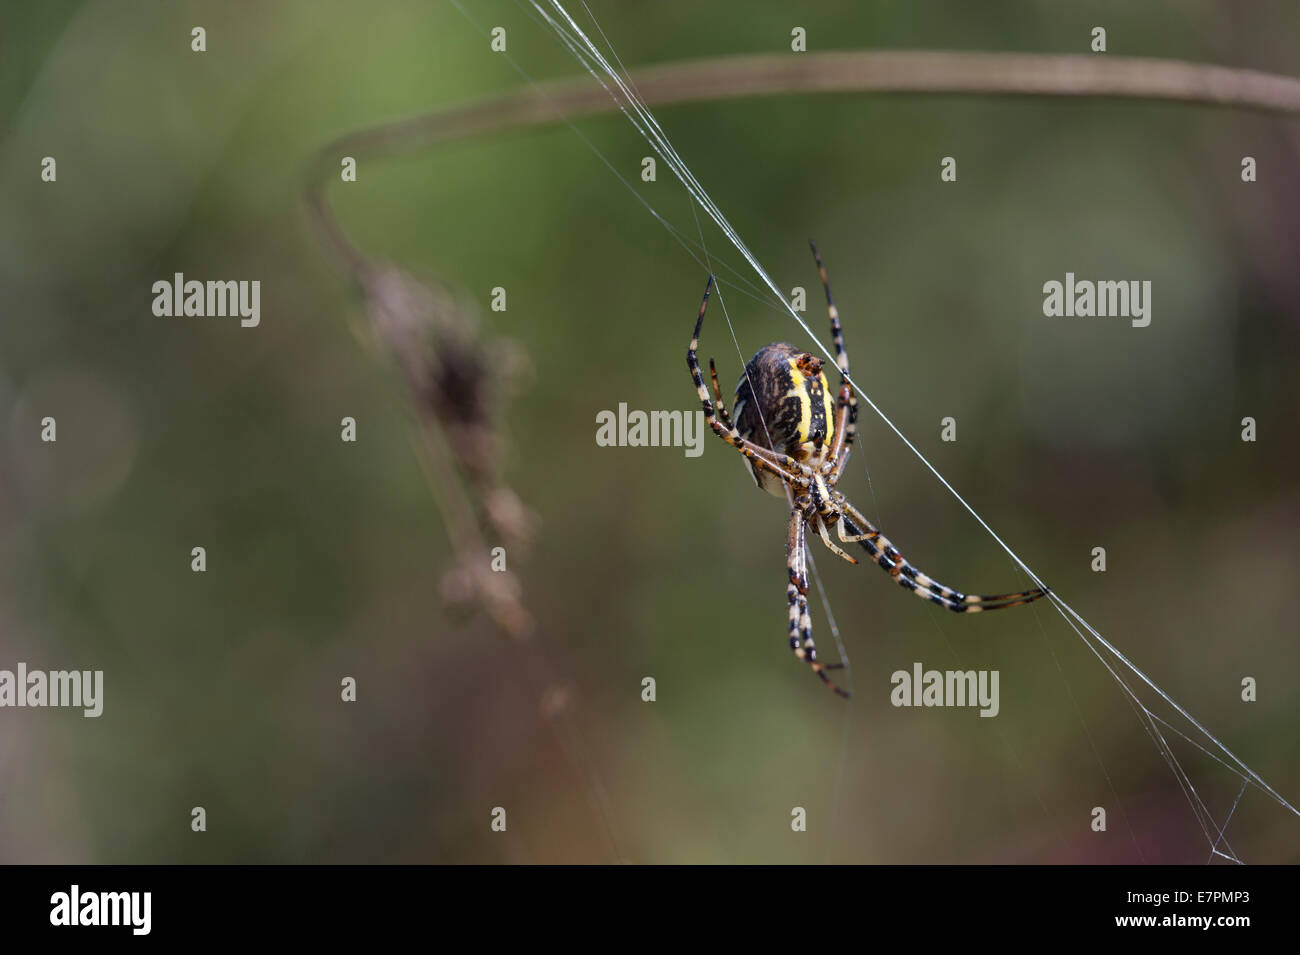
(886, 555)
(717, 396)
(846, 418)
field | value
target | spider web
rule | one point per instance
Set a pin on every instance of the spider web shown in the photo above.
(605, 66)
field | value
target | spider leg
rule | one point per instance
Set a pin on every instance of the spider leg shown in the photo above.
(892, 562)
(801, 640)
(717, 396)
(782, 465)
(846, 417)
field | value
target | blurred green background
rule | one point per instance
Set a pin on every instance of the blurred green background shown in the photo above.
(323, 557)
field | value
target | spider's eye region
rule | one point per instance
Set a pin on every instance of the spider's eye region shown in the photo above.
(809, 365)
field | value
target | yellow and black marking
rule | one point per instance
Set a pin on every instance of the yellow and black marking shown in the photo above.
(783, 403)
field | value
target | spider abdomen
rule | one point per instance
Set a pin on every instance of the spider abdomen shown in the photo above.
(784, 403)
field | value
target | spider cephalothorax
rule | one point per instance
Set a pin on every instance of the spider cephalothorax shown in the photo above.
(796, 441)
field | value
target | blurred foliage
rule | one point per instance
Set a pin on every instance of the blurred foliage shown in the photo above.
(222, 688)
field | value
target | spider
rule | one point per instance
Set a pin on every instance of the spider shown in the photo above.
(797, 441)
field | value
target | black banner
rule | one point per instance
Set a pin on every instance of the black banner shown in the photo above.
(335, 903)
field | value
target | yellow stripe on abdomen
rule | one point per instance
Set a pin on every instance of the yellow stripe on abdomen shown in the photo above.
(799, 390)
(830, 412)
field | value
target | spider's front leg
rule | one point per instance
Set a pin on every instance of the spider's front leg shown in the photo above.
(801, 640)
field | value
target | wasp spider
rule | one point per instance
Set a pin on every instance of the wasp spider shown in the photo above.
(796, 439)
